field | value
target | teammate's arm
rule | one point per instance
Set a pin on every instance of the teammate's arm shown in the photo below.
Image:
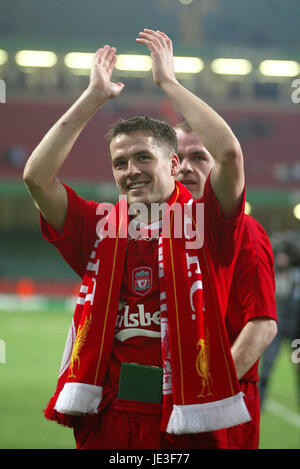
(44, 163)
(251, 342)
(227, 176)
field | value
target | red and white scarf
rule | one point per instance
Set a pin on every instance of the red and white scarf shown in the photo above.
(200, 388)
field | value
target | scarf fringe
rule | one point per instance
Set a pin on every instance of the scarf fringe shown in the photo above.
(65, 420)
(79, 399)
(198, 418)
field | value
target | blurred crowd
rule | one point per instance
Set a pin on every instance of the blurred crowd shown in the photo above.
(286, 248)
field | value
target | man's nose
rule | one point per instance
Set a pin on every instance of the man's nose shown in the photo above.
(185, 166)
(133, 168)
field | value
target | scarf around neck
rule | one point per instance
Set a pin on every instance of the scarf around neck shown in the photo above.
(200, 389)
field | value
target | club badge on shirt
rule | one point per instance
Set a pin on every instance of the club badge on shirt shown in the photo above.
(142, 280)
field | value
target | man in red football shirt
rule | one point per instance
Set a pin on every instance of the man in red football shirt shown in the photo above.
(251, 313)
(144, 161)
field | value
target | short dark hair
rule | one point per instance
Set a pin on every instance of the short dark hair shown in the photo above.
(184, 126)
(157, 128)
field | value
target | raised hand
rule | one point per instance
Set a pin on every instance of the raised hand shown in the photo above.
(160, 46)
(100, 76)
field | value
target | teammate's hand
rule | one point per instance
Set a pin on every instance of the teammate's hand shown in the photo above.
(100, 76)
(160, 46)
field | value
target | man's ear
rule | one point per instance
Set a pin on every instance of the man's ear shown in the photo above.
(174, 164)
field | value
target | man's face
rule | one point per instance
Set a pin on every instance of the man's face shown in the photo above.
(195, 162)
(144, 169)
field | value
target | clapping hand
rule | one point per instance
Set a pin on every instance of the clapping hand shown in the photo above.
(100, 76)
(161, 48)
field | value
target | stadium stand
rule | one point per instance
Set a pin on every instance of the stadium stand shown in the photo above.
(268, 139)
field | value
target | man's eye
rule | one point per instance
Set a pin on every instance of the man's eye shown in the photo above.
(143, 157)
(199, 158)
(119, 164)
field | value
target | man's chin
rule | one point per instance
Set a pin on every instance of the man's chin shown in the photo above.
(131, 200)
(192, 188)
(138, 196)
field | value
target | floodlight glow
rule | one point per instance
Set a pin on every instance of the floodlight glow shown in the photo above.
(79, 60)
(3, 56)
(36, 58)
(296, 211)
(279, 68)
(248, 208)
(186, 2)
(224, 66)
(188, 65)
(133, 63)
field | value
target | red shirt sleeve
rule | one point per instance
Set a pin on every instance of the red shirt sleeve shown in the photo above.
(78, 236)
(252, 293)
(253, 288)
(222, 236)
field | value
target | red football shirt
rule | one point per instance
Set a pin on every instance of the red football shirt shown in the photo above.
(222, 239)
(138, 320)
(252, 293)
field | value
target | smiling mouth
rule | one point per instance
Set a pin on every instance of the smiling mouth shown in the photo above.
(186, 182)
(137, 185)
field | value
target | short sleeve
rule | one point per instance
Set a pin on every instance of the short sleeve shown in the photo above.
(222, 235)
(253, 287)
(78, 235)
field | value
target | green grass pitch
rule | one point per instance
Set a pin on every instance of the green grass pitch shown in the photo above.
(34, 345)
